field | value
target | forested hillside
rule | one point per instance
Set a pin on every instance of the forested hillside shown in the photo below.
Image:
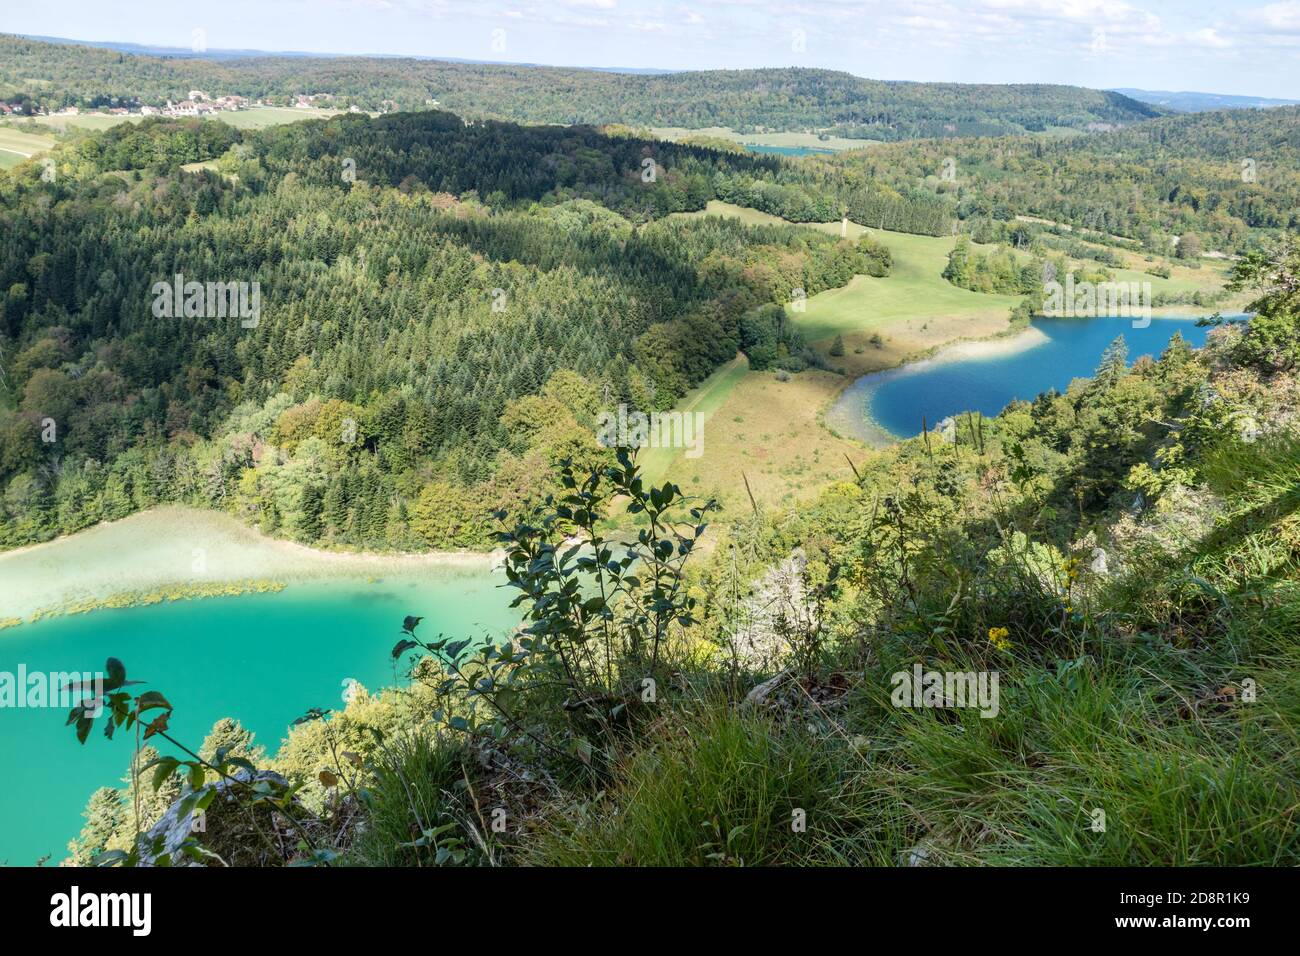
(435, 327)
(57, 75)
(1190, 102)
(421, 276)
(1223, 176)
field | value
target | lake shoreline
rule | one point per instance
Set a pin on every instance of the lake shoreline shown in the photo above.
(848, 417)
(175, 552)
(863, 428)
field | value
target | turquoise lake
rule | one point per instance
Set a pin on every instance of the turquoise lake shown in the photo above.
(786, 150)
(895, 400)
(263, 659)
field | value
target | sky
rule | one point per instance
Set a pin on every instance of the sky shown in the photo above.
(1231, 46)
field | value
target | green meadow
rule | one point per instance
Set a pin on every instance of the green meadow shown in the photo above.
(772, 434)
(766, 437)
(804, 140)
(256, 118)
(17, 145)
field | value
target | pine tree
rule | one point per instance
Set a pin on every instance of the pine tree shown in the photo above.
(1114, 363)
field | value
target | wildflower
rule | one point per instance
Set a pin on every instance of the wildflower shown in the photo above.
(999, 637)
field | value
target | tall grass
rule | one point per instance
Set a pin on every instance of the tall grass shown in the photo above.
(1143, 748)
(719, 788)
(417, 786)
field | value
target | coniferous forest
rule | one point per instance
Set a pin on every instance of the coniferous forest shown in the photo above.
(406, 316)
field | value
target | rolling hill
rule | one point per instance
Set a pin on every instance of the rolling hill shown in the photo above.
(1186, 102)
(62, 74)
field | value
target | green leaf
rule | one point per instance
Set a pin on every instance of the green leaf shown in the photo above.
(164, 767)
(150, 700)
(240, 762)
(116, 671)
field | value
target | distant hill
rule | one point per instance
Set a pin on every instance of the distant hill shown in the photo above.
(214, 53)
(63, 74)
(1221, 175)
(1201, 102)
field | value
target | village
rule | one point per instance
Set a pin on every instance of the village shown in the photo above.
(196, 103)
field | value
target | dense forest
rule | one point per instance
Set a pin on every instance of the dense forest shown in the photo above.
(1225, 176)
(422, 276)
(436, 327)
(57, 75)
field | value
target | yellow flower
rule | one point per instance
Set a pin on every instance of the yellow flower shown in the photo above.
(998, 637)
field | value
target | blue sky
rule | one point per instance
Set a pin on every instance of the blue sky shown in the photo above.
(1237, 46)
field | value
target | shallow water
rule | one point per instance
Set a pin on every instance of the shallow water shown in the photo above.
(986, 377)
(261, 658)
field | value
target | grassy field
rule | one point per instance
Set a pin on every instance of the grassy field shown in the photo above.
(257, 118)
(1207, 276)
(760, 430)
(913, 309)
(774, 434)
(41, 132)
(805, 140)
(265, 116)
(89, 121)
(771, 432)
(18, 145)
(704, 399)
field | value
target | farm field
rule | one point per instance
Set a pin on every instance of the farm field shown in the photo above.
(763, 431)
(265, 116)
(257, 118)
(18, 145)
(787, 139)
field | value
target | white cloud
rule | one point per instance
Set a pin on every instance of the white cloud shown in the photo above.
(1209, 37)
(1276, 17)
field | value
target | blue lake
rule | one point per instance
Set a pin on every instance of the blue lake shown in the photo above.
(786, 150)
(263, 659)
(985, 377)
